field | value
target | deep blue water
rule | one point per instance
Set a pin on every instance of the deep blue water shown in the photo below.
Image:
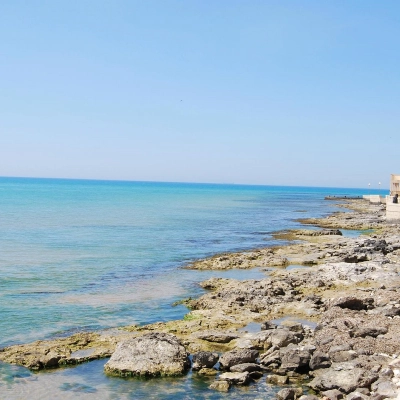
(78, 254)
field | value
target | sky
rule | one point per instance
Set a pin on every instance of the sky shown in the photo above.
(256, 92)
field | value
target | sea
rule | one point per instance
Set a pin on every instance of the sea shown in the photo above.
(85, 255)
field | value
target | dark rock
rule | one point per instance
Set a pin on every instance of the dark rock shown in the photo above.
(320, 360)
(350, 302)
(204, 359)
(255, 375)
(246, 367)
(368, 331)
(268, 325)
(295, 359)
(235, 357)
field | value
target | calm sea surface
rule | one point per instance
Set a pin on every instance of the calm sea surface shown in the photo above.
(83, 255)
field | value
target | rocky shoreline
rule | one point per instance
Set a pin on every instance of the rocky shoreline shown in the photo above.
(327, 328)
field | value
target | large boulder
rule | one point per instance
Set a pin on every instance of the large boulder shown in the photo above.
(153, 354)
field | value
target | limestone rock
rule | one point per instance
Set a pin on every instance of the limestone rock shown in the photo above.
(149, 355)
(235, 378)
(204, 359)
(235, 357)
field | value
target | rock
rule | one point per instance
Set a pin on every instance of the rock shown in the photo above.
(286, 394)
(207, 371)
(295, 359)
(346, 380)
(204, 359)
(293, 326)
(216, 336)
(282, 338)
(255, 375)
(356, 396)
(343, 356)
(277, 379)
(221, 386)
(50, 360)
(368, 331)
(246, 367)
(351, 302)
(272, 358)
(268, 325)
(308, 397)
(333, 394)
(320, 360)
(235, 378)
(235, 357)
(149, 355)
(259, 339)
(386, 389)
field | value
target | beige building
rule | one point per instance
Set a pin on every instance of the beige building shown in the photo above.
(393, 209)
(394, 184)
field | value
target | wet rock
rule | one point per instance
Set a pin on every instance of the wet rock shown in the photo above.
(221, 386)
(277, 379)
(149, 355)
(286, 394)
(204, 359)
(235, 357)
(268, 325)
(207, 371)
(235, 378)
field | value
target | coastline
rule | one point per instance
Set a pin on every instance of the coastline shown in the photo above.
(334, 267)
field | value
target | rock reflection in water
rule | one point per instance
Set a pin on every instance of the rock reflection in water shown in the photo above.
(87, 381)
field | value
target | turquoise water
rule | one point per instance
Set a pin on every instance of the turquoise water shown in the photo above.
(84, 255)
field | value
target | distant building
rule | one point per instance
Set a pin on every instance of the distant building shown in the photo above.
(394, 184)
(392, 209)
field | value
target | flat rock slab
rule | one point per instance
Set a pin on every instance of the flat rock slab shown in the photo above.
(153, 354)
(216, 336)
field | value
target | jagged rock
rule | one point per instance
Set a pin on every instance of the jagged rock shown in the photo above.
(149, 355)
(387, 389)
(235, 357)
(204, 359)
(351, 302)
(320, 360)
(221, 386)
(286, 394)
(282, 338)
(271, 358)
(345, 380)
(295, 358)
(235, 378)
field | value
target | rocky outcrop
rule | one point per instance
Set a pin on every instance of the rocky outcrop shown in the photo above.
(153, 354)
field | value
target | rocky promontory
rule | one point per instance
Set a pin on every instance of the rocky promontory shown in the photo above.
(328, 328)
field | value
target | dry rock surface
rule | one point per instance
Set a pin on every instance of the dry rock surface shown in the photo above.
(330, 330)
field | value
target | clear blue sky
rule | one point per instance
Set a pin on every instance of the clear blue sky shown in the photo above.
(266, 92)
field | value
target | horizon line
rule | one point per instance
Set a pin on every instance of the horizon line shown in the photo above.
(185, 182)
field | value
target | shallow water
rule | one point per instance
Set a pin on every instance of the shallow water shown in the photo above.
(85, 255)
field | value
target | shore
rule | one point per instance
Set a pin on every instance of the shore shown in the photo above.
(326, 316)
